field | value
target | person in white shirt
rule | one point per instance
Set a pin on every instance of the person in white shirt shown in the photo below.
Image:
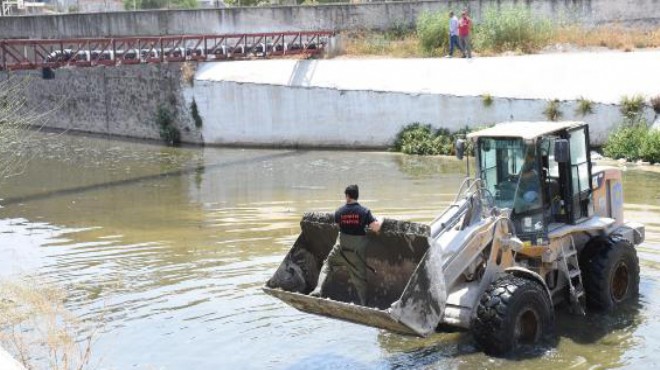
(453, 34)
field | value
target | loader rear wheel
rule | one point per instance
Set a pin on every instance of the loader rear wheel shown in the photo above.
(610, 272)
(513, 312)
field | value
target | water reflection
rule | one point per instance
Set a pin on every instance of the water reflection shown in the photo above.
(169, 247)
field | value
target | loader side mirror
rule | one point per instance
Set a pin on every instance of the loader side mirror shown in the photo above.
(562, 154)
(460, 148)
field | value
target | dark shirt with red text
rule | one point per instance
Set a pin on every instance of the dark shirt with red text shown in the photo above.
(353, 219)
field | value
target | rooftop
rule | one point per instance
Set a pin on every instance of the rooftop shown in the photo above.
(525, 130)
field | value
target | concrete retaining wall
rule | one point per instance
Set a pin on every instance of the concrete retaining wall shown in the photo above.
(268, 115)
(284, 18)
(365, 103)
(114, 101)
(347, 103)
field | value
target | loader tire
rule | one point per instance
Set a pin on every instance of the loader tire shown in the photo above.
(610, 272)
(513, 312)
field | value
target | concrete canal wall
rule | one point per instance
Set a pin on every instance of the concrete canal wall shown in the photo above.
(118, 101)
(365, 103)
(376, 15)
(348, 103)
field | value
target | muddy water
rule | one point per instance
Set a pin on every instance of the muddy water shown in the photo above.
(169, 247)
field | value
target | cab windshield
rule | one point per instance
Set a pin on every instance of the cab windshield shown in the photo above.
(508, 169)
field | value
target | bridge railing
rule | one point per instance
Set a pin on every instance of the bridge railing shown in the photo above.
(19, 54)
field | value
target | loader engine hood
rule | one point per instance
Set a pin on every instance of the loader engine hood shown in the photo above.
(406, 288)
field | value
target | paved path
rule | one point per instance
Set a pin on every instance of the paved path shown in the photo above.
(602, 76)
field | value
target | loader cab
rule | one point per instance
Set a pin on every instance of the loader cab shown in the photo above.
(540, 171)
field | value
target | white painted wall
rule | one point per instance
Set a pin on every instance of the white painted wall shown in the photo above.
(7, 362)
(365, 103)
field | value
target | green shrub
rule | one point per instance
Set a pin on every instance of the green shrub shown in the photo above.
(632, 106)
(585, 107)
(398, 31)
(655, 103)
(627, 141)
(166, 128)
(552, 111)
(487, 100)
(512, 27)
(195, 114)
(433, 32)
(416, 139)
(650, 150)
(421, 139)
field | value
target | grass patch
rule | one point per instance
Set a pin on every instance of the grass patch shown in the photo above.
(632, 106)
(370, 43)
(584, 107)
(552, 111)
(612, 37)
(512, 28)
(166, 128)
(487, 100)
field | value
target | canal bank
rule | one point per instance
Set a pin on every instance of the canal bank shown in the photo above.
(342, 103)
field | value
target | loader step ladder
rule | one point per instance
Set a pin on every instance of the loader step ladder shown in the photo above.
(571, 267)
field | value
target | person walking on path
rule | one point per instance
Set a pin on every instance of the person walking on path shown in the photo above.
(464, 31)
(350, 248)
(453, 34)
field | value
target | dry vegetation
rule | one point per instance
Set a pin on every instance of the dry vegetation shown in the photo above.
(188, 72)
(38, 330)
(427, 40)
(15, 121)
(612, 37)
(35, 327)
(370, 43)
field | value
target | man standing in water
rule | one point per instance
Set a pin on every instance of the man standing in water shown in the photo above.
(350, 248)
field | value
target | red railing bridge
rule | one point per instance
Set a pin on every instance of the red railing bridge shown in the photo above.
(21, 54)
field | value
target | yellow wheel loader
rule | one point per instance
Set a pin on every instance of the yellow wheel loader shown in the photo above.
(537, 226)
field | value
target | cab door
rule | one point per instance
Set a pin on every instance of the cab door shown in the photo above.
(579, 175)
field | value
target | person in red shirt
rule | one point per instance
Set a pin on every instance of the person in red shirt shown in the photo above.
(464, 31)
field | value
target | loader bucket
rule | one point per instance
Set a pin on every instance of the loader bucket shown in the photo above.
(406, 290)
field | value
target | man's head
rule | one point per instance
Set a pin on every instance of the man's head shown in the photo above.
(352, 192)
(451, 14)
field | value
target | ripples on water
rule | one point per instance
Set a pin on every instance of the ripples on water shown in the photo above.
(169, 247)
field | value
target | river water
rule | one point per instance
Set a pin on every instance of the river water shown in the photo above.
(169, 248)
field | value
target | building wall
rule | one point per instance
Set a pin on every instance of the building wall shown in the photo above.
(378, 16)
